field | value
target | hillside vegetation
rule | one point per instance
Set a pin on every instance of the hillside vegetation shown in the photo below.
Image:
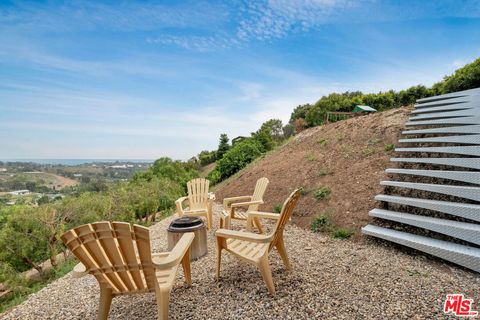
(338, 166)
(272, 133)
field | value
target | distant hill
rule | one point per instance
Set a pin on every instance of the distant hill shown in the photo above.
(347, 157)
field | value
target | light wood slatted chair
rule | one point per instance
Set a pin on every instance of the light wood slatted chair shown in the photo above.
(250, 202)
(119, 256)
(255, 248)
(199, 201)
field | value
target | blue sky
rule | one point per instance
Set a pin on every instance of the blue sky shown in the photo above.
(141, 80)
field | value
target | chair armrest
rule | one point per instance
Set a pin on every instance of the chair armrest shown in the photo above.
(179, 205)
(246, 236)
(176, 254)
(265, 215)
(228, 201)
(79, 270)
(244, 204)
(251, 215)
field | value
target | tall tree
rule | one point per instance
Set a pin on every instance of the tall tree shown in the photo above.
(223, 146)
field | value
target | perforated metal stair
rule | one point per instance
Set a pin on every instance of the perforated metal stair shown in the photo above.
(447, 125)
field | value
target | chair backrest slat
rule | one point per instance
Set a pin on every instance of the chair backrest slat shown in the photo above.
(107, 239)
(145, 254)
(285, 215)
(115, 253)
(258, 193)
(123, 233)
(198, 193)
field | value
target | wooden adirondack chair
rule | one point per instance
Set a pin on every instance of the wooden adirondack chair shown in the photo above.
(118, 255)
(199, 201)
(250, 202)
(255, 248)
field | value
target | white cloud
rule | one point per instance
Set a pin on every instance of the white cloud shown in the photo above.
(277, 18)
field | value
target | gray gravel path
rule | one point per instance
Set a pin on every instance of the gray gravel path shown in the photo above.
(330, 279)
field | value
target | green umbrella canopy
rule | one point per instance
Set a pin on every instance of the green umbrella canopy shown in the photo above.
(363, 109)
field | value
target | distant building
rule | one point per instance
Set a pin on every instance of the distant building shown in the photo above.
(119, 166)
(77, 175)
(19, 192)
(3, 169)
(238, 139)
(54, 196)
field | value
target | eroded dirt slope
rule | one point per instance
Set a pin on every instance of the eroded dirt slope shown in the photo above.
(349, 157)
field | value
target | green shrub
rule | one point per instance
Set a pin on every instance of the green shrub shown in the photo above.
(277, 208)
(206, 157)
(322, 193)
(304, 191)
(214, 176)
(368, 151)
(238, 157)
(322, 142)
(389, 146)
(311, 157)
(177, 171)
(323, 173)
(343, 233)
(321, 223)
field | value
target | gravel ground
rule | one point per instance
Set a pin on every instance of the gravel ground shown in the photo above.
(330, 279)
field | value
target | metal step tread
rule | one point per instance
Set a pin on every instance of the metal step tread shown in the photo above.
(463, 176)
(465, 150)
(472, 193)
(467, 139)
(472, 163)
(469, 129)
(462, 230)
(446, 114)
(468, 257)
(464, 210)
(458, 106)
(459, 120)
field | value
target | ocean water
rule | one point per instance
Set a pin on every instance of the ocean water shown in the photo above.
(76, 162)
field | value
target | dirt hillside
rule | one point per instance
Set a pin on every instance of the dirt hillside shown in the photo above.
(348, 157)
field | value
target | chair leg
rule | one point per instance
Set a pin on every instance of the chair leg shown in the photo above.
(163, 300)
(283, 254)
(258, 224)
(210, 215)
(267, 273)
(105, 302)
(219, 257)
(186, 267)
(209, 221)
(221, 223)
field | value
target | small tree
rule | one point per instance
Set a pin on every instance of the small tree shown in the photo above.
(300, 125)
(223, 146)
(274, 127)
(206, 157)
(288, 131)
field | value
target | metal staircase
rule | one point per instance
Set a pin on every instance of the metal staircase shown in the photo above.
(441, 161)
